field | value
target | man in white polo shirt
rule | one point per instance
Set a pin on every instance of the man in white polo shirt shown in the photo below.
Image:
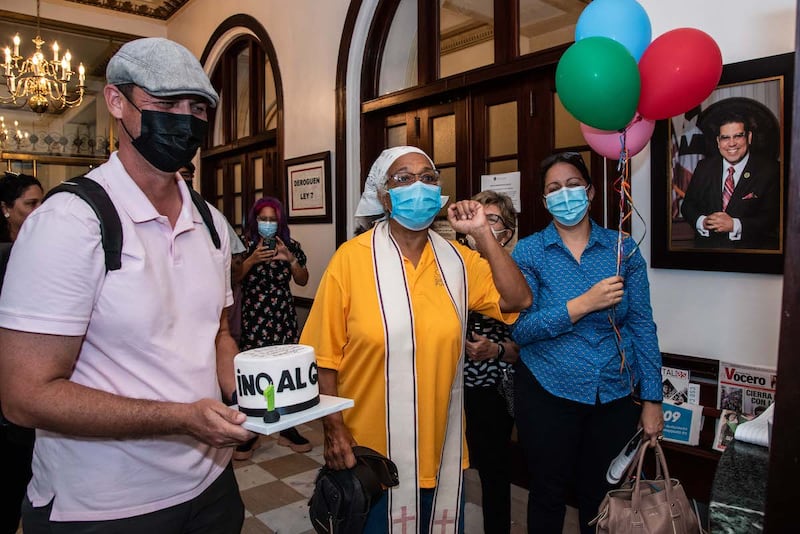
(123, 372)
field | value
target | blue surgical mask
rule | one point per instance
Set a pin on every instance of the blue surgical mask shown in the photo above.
(267, 229)
(415, 206)
(568, 205)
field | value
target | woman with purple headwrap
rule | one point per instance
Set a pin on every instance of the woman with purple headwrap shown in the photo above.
(273, 259)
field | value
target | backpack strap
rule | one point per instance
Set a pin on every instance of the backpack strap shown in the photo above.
(5, 252)
(110, 226)
(205, 214)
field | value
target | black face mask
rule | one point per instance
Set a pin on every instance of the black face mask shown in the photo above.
(168, 140)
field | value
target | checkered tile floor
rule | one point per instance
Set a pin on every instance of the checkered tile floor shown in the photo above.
(276, 484)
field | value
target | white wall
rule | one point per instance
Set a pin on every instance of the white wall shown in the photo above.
(305, 35)
(729, 316)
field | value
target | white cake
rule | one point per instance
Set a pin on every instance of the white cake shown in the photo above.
(291, 369)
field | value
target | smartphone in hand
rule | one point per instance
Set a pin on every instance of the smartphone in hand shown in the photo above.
(270, 243)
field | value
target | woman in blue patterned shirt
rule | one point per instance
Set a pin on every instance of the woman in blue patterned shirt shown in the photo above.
(580, 390)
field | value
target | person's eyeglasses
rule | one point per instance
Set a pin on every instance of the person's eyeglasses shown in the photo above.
(736, 137)
(187, 175)
(266, 219)
(494, 219)
(426, 177)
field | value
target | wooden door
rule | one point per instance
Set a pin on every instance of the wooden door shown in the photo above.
(233, 183)
(440, 130)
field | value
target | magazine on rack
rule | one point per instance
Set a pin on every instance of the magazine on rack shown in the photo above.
(682, 422)
(726, 427)
(744, 393)
(675, 384)
(683, 417)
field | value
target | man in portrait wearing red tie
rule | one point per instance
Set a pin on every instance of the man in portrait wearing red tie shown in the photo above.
(733, 201)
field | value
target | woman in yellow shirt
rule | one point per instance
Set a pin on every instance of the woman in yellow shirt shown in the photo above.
(388, 325)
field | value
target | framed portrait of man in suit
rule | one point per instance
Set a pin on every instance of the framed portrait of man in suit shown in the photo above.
(720, 173)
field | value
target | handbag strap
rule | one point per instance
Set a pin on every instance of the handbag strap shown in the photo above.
(662, 461)
(636, 497)
(629, 472)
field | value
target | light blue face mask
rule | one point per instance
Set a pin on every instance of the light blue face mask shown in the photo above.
(568, 205)
(415, 206)
(267, 229)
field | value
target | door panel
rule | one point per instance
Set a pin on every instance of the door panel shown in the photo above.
(233, 183)
(443, 134)
(531, 100)
(498, 140)
(441, 131)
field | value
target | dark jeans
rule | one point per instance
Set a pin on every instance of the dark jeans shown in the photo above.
(376, 520)
(218, 510)
(488, 436)
(16, 450)
(568, 447)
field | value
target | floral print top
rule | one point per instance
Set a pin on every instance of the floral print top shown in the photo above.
(486, 373)
(268, 312)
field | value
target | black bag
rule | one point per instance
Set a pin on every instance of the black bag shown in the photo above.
(342, 499)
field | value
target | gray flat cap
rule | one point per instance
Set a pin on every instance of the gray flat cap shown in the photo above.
(162, 68)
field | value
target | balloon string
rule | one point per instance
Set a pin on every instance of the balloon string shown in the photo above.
(627, 208)
(622, 186)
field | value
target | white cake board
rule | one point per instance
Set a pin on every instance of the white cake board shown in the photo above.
(327, 405)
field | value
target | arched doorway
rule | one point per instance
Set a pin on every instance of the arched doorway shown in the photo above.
(243, 159)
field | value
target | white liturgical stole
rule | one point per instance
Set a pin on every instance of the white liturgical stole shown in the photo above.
(402, 404)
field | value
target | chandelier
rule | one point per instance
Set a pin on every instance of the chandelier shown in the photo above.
(38, 82)
(14, 135)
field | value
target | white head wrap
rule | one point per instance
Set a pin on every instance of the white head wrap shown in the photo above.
(369, 203)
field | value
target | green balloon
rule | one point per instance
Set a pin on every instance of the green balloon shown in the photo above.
(597, 80)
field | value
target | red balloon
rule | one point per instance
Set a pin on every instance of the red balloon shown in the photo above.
(678, 70)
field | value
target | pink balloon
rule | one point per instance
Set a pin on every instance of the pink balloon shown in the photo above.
(609, 143)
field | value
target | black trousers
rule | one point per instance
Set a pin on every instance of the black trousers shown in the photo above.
(488, 435)
(568, 447)
(16, 450)
(218, 510)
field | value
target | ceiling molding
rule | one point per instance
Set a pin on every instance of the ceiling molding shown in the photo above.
(465, 37)
(156, 9)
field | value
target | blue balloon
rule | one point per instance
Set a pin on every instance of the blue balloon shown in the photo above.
(624, 21)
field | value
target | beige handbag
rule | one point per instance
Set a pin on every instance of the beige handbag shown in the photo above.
(647, 506)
